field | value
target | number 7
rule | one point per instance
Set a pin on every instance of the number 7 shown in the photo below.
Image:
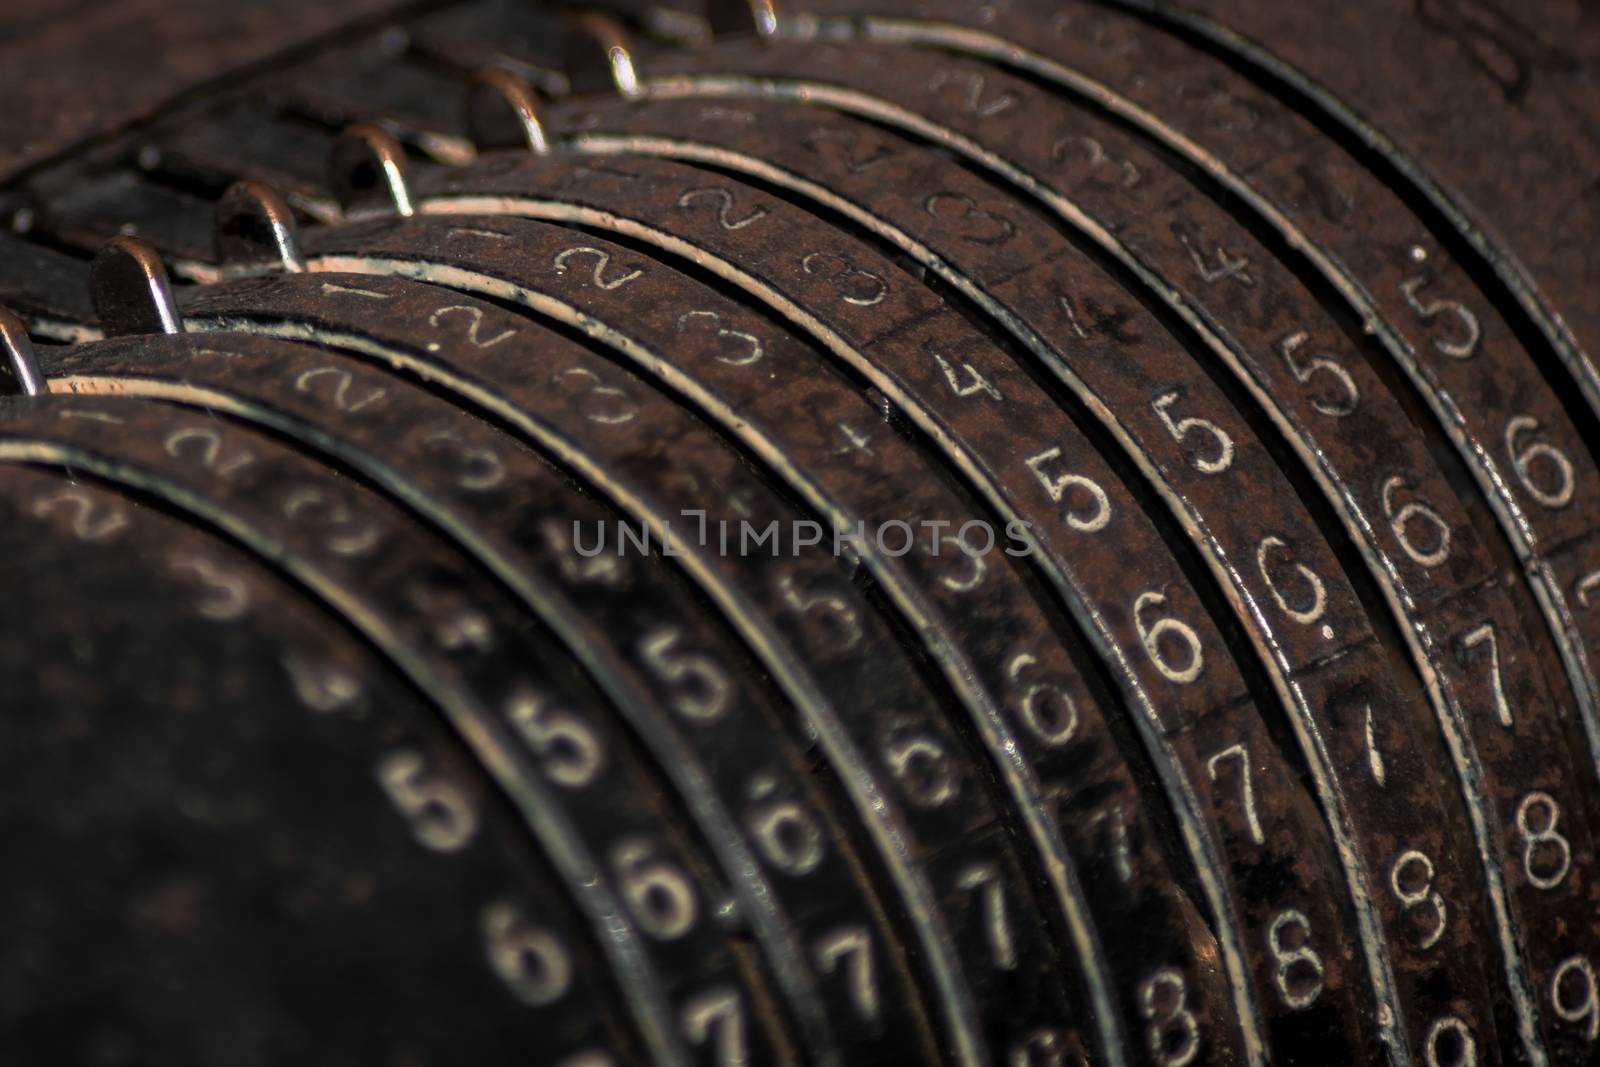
(1472, 640)
(1244, 776)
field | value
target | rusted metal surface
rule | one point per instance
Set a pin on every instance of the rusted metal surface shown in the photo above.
(513, 513)
(1257, 338)
(183, 858)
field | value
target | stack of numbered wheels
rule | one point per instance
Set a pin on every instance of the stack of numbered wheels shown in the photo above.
(1021, 534)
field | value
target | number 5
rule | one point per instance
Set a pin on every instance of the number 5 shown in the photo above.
(1180, 429)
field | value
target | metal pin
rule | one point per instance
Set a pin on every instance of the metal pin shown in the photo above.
(256, 232)
(503, 111)
(730, 18)
(369, 173)
(19, 372)
(598, 56)
(131, 291)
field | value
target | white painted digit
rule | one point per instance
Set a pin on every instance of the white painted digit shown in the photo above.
(1180, 428)
(1151, 639)
(1415, 893)
(1415, 510)
(442, 818)
(1586, 1006)
(1121, 850)
(1174, 1033)
(1466, 1047)
(1046, 710)
(1485, 635)
(657, 893)
(1319, 595)
(1297, 993)
(528, 959)
(571, 753)
(851, 947)
(984, 879)
(705, 689)
(1090, 521)
(1535, 842)
(974, 383)
(784, 833)
(1472, 330)
(1304, 372)
(602, 259)
(1238, 750)
(717, 1017)
(1522, 461)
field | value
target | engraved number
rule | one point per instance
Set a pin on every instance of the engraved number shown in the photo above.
(602, 259)
(1319, 597)
(1046, 710)
(783, 831)
(978, 226)
(1227, 265)
(1245, 791)
(89, 523)
(481, 469)
(442, 818)
(1544, 845)
(1123, 173)
(862, 294)
(850, 949)
(528, 959)
(1041, 1047)
(1299, 992)
(209, 442)
(474, 326)
(1557, 496)
(1173, 1033)
(1400, 522)
(1121, 849)
(973, 96)
(622, 408)
(984, 879)
(1584, 588)
(1561, 984)
(1466, 344)
(342, 381)
(705, 690)
(229, 596)
(1411, 879)
(1193, 661)
(750, 345)
(571, 752)
(1180, 428)
(966, 381)
(1305, 371)
(658, 894)
(846, 625)
(1462, 1042)
(1087, 520)
(724, 200)
(717, 1017)
(923, 767)
(308, 503)
(1485, 635)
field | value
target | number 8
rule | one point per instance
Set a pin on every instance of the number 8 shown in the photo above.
(1548, 836)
